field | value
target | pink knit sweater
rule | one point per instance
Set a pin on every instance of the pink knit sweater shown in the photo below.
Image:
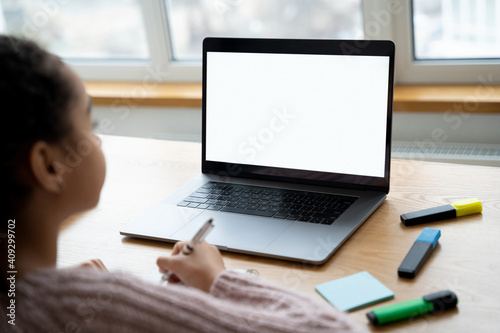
(84, 300)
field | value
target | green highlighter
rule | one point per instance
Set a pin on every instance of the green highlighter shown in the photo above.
(433, 303)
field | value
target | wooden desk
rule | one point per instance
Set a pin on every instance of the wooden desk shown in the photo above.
(467, 260)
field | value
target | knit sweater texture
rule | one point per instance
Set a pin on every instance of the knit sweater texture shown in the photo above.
(85, 300)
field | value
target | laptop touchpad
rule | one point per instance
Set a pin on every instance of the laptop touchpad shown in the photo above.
(160, 221)
(237, 231)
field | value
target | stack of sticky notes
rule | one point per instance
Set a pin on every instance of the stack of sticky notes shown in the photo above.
(354, 291)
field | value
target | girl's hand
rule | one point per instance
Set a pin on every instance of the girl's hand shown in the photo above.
(94, 263)
(198, 269)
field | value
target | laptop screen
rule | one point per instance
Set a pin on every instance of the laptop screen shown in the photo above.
(319, 113)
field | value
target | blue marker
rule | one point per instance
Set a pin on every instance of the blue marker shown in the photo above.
(419, 252)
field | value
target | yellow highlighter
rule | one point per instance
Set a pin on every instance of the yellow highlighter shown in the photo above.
(456, 209)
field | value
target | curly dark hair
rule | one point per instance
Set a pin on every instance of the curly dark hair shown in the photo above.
(36, 95)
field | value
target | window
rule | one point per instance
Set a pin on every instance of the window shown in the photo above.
(83, 34)
(78, 30)
(456, 29)
(448, 41)
(454, 41)
(191, 21)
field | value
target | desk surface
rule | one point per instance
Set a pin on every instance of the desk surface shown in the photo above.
(141, 172)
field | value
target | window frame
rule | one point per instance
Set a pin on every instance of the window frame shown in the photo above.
(412, 71)
(159, 68)
(383, 19)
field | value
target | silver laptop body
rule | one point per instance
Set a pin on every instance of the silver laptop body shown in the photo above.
(285, 115)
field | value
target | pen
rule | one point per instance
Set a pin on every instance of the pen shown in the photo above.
(189, 247)
(435, 303)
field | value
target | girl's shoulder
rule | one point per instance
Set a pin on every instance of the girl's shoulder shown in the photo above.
(59, 280)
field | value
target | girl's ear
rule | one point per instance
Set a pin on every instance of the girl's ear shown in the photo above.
(43, 160)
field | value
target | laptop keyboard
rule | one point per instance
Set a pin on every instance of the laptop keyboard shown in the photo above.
(293, 205)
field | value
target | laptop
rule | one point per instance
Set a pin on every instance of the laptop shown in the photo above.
(296, 143)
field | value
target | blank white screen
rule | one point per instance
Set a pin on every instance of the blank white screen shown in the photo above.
(309, 112)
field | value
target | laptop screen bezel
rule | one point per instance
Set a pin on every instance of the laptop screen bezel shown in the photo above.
(301, 46)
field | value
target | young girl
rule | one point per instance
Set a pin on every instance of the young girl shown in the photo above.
(45, 112)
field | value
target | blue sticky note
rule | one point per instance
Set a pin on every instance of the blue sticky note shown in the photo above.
(354, 291)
